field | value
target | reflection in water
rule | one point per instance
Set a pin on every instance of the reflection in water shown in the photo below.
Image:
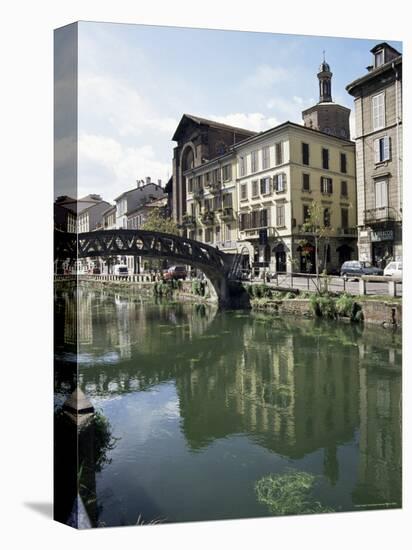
(204, 404)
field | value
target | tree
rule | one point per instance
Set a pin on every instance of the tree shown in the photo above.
(317, 225)
(157, 221)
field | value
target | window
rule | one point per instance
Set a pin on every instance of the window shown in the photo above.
(190, 185)
(255, 189)
(254, 164)
(217, 233)
(325, 158)
(265, 158)
(244, 221)
(382, 147)
(279, 153)
(243, 192)
(279, 182)
(227, 200)
(216, 175)
(242, 166)
(343, 163)
(207, 205)
(227, 232)
(217, 202)
(280, 215)
(326, 217)
(381, 194)
(255, 218)
(343, 188)
(227, 172)
(198, 183)
(306, 182)
(305, 154)
(326, 185)
(207, 178)
(264, 218)
(378, 111)
(306, 213)
(193, 209)
(208, 235)
(379, 58)
(265, 186)
(344, 213)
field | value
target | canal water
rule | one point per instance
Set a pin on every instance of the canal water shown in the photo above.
(197, 406)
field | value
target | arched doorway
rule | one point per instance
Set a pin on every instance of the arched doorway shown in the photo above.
(280, 257)
(307, 258)
(345, 253)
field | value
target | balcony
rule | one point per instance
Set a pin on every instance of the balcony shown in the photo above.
(188, 221)
(198, 194)
(379, 215)
(347, 231)
(215, 186)
(207, 217)
(227, 213)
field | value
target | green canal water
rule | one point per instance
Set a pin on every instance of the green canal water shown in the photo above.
(199, 405)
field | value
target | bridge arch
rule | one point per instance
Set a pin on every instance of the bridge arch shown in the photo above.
(214, 263)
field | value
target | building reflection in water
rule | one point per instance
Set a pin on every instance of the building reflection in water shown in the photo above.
(292, 387)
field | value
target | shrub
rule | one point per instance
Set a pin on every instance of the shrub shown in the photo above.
(344, 305)
(323, 306)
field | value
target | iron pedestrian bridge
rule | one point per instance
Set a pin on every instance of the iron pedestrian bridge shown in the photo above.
(218, 266)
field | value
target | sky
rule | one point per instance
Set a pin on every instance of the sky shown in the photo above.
(135, 82)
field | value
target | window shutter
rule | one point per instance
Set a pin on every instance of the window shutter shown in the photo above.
(386, 148)
(376, 150)
(262, 186)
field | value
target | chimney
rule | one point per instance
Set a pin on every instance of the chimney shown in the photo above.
(159, 183)
(147, 179)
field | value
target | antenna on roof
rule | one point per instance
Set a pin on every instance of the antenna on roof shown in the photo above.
(324, 56)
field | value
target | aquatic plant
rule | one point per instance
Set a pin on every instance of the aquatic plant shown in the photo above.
(289, 493)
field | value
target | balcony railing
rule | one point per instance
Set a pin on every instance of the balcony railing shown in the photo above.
(227, 213)
(226, 244)
(208, 217)
(380, 215)
(188, 220)
(198, 194)
(348, 231)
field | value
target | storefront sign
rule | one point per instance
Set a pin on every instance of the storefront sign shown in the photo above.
(377, 236)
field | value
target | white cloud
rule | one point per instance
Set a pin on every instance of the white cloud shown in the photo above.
(109, 167)
(256, 122)
(289, 109)
(266, 76)
(121, 106)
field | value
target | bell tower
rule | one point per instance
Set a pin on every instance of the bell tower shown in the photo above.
(325, 82)
(327, 116)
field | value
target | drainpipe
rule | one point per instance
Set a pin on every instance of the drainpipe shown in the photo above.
(398, 167)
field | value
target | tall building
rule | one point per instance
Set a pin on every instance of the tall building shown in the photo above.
(378, 110)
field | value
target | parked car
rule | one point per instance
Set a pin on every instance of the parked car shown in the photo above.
(121, 270)
(358, 268)
(393, 269)
(175, 272)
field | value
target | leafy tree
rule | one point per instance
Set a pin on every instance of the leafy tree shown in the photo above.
(315, 226)
(157, 221)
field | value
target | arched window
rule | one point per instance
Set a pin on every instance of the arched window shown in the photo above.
(188, 159)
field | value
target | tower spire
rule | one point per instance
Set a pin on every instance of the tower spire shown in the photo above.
(325, 81)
